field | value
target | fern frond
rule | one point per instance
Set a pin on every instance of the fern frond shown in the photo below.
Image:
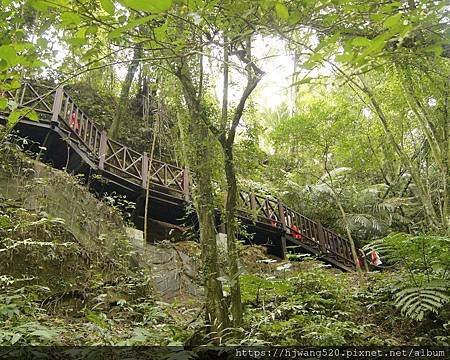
(335, 173)
(416, 302)
(368, 222)
(321, 189)
(416, 252)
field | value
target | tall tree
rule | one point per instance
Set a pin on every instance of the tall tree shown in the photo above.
(200, 162)
(123, 104)
(226, 134)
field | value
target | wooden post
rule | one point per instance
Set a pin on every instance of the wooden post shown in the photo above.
(144, 171)
(253, 206)
(282, 215)
(166, 181)
(57, 103)
(252, 201)
(84, 126)
(186, 183)
(283, 247)
(343, 248)
(102, 149)
(321, 237)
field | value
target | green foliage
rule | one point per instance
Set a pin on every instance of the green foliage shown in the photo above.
(316, 307)
(156, 6)
(31, 333)
(255, 288)
(108, 6)
(416, 302)
(426, 258)
(386, 73)
(311, 307)
(429, 254)
(282, 11)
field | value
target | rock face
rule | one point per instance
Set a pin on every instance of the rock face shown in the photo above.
(221, 240)
(54, 233)
(136, 236)
(175, 268)
(43, 189)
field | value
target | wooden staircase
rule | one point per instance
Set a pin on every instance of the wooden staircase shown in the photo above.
(87, 149)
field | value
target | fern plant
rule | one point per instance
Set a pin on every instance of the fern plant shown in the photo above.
(416, 302)
(426, 259)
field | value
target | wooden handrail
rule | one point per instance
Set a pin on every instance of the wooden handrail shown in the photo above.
(136, 167)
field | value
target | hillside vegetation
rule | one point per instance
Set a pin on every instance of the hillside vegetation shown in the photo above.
(212, 125)
(71, 277)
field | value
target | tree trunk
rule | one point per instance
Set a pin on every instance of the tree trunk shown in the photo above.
(349, 233)
(124, 94)
(344, 218)
(231, 228)
(230, 205)
(200, 161)
(422, 189)
(445, 170)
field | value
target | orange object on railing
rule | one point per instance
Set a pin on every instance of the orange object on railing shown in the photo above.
(296, 232)
(73, 122)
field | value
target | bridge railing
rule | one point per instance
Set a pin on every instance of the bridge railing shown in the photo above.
(57, 105)
(282, 218)
(168, 175)
(38, 97)
(306, 227)
(338, 246)
(115, 157)
(260, 208)
(74, 119)
(119, 158)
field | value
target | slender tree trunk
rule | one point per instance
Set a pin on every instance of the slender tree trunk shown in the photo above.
(422, 189)
(124, 94)
(445, 168)
(231, 228)
(293, 92)
(226, 135)
(149, 181)
(230, 205)
(349, 233)
(200, 161)
(344, 217)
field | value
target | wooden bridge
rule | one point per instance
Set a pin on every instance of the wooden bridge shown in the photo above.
(68, 138)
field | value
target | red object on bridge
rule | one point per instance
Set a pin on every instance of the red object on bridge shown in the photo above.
(296, 232)
(73, 122)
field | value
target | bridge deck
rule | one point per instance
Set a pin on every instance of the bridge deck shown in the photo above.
(74, 141)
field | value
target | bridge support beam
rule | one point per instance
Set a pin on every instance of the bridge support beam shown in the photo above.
(283, 247)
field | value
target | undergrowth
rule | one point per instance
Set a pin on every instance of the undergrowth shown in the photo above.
(67, 277)
(53, 291)
(315, 307)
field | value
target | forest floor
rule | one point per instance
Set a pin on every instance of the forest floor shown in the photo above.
(69, 275)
